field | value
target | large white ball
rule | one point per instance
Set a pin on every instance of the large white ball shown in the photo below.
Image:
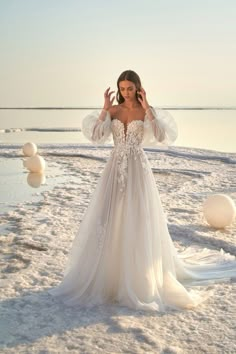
(35, 163)
(219, 210)
(29, 149)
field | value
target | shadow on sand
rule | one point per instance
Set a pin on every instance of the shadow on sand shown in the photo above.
(34, 315)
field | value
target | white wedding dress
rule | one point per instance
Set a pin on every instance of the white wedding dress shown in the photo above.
(123, 251)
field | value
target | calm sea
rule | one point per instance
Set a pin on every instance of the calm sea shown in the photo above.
(213, 129)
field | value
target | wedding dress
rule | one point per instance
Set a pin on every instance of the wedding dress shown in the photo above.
(123, 251)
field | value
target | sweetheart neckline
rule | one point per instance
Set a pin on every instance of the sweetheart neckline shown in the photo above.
(134, 120)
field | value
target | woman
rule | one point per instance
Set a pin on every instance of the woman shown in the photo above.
(123, 251)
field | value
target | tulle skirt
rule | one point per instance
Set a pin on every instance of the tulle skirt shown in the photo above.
(123, 251)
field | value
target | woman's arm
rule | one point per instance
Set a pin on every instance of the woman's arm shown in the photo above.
(97, 126)
(96, 130)
(159, 127)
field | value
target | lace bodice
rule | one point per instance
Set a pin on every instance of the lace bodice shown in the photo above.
(130, 134)
(127, 144)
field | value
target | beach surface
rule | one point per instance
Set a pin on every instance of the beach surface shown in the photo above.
(36, 235)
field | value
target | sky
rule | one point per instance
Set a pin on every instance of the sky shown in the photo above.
(66, 53)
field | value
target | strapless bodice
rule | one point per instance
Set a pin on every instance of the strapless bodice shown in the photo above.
(129, 134)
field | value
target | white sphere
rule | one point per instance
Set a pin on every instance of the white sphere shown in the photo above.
(35, 163)
(219, 210)
(35, 179)
(29, 149)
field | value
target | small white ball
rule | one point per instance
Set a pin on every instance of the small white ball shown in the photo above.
(219, 210)
(35, 163)
(29, 149)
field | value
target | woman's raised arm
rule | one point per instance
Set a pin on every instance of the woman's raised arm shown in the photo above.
(96, 126)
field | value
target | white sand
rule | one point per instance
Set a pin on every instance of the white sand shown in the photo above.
(35, 246)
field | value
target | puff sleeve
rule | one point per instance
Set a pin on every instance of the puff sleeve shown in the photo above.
(161, 130)
(96, 130)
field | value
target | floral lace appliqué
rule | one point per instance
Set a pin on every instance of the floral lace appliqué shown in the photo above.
(127, 145)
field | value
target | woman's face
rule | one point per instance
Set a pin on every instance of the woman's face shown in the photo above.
(127, 90)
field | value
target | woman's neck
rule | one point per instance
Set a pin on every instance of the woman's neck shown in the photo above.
(131, 104)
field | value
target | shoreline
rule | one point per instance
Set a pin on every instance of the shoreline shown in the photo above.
(89, 146)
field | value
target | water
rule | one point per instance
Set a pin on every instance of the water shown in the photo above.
(207, 129)
(17, 185)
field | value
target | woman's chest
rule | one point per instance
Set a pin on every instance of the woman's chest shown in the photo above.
(127, 116)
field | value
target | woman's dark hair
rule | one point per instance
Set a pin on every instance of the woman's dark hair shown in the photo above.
(130, 76)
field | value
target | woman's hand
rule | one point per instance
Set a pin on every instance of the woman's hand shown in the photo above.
(108, 99)
(143, 99)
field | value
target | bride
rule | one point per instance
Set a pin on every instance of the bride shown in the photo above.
(123, 251)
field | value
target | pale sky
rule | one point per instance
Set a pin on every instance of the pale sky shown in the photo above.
(67, 53)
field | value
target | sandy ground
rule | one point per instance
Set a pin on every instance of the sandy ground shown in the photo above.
(37, 238)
